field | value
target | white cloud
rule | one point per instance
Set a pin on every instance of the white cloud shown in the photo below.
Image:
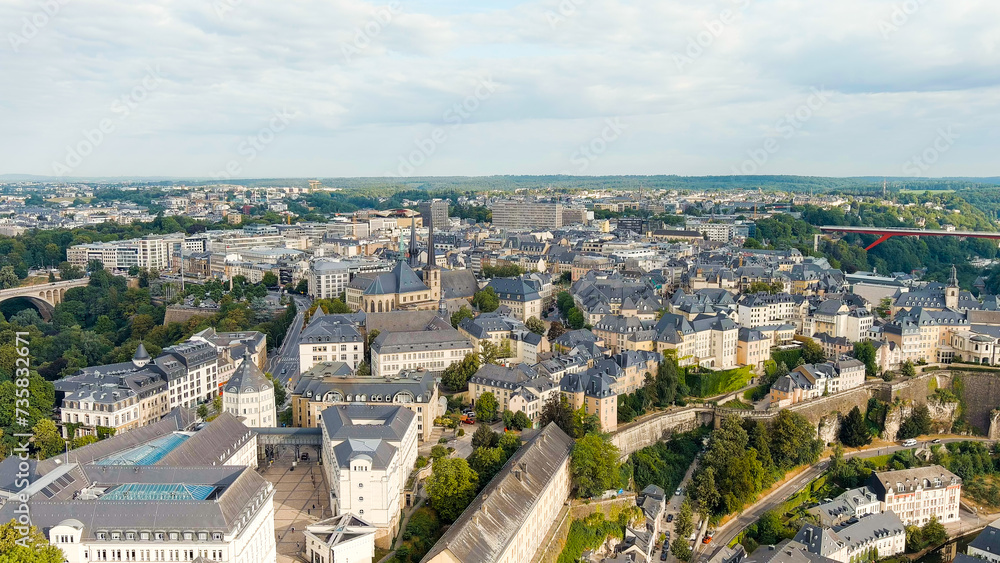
(896, 74)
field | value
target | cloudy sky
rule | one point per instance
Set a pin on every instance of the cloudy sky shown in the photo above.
(303, 88)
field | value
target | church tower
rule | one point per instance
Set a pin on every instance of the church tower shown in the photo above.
(951, 292)
(432, 273)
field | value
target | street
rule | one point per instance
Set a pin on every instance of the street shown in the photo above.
(731, 529)
(284, 363)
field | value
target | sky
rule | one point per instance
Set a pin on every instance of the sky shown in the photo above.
(234, 89)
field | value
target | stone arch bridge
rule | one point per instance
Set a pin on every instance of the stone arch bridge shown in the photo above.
(43, 297)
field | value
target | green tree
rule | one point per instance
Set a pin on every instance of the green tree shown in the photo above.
(521, 421)
(865, 353)
(457, 375)
(793, 440)
(557, 410)
(269, 279)
(509, 442)
(203, 411)
(81, 441)
(854, 429)
(594, 465)
(917, 424)
(683, 527)
(484, 437)
(451, 487)
(33, 549)
(47, 439)
(564, 302)
(575, 319)
(486, 300)
(489, 353)
(812, 353)
(486, 462)
(8, 277)
(535, 325)
(707, 492)
(908, 370)
(458, 316)
(438, 452)
(556, 329)
(486, 407)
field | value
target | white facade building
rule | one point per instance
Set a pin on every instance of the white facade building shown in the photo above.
(368, 453)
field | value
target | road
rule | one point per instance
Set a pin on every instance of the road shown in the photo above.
(731, 529)
(284, 362)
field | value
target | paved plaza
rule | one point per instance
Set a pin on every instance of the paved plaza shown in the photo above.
(297, 491)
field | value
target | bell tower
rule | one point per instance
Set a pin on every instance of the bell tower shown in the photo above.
(951, 292)
(432, 273)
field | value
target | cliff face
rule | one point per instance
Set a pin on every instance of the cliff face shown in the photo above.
(828, 429)
(943, 416)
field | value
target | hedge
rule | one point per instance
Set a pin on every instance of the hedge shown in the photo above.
(711, 383)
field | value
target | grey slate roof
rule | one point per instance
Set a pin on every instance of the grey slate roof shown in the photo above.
(484, 531)
(247, 378)
(394, 420)
(401, 279)
(212, 445)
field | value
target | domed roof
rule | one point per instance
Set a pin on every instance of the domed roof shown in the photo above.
(248, 378)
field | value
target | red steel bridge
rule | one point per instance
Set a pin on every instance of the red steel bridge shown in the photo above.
(885, 234)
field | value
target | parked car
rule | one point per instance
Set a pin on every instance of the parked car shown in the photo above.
(670, 517)
(936, 441)
(909, 443)
(678, 491)
(708, 539)
(663, 554)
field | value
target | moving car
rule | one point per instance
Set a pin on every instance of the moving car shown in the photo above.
(936, 441)
(679, 491)
(909, 443)
(708, 539)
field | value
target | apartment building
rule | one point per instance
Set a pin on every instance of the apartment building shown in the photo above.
(333, 384)
(437, 211)
(916, 495)
(328, 278)
(517, 388)
(525, 215)
(809, 381)
(518, 294)
(152, 252)
(757, 309)
(432, 350)
(368, 453)
(331, 338)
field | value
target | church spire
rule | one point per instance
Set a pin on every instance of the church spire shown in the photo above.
(413, 243)
(953, 281)
(431, 259)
